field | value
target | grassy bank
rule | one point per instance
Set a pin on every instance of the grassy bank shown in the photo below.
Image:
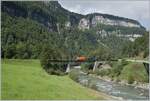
(25, 79)
(134, 72)
(126, 71)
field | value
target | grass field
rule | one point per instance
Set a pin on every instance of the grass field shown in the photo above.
(25, 79)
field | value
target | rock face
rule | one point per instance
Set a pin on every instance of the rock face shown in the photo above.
(130, 37)
(67, 24)
(85, 23)
(51, 14)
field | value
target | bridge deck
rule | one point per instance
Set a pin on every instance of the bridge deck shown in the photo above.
(100, 61)
(139, 61)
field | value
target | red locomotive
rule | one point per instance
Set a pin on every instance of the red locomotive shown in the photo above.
(81, 58)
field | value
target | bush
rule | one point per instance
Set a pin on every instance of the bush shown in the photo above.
(103, 72)
(124, 62)
(54, 72)
(116, 70)
(73, 74)
(130, 79)
(86, 67)
(91, 72)
(52, 67)
(111, 63)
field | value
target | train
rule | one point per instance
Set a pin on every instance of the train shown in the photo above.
(83, 59)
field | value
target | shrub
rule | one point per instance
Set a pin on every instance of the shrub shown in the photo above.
(103, 72)
(111, 63)
(124, 62)
(90, 72)
(86, 67)
(116, 70)
(73, 74)
(52, 67)
(130, 79)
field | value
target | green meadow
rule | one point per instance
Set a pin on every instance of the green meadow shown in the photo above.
(25, 79)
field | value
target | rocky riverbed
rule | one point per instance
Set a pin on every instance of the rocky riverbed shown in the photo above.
(121, 91)
(124, 82)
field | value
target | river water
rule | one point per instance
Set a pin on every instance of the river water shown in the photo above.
(114, 89)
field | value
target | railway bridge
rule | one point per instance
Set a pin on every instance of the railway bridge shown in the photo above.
(98, 62)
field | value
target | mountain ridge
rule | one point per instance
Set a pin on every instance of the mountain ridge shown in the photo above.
(54, 13)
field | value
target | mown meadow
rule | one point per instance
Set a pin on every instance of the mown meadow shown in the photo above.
(25, 79)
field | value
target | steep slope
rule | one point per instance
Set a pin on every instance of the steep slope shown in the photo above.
(51, 13)
(25, 79)
(28, 27)
(46, 13)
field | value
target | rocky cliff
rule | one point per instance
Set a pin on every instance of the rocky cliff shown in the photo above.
(85, 23)
(51, 13)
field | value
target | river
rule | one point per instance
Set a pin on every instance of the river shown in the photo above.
(114, 89)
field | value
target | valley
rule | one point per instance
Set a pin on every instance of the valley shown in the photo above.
(51, 53)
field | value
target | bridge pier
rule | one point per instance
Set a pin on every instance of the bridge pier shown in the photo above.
(96, 64)
(146, 65)
(68, 68)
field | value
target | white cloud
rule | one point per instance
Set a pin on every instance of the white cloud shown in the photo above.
(138, 10)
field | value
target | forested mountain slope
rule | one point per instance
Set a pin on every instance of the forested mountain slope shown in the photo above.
(29, 27)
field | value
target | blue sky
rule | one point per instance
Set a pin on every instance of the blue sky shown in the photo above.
(133, 9)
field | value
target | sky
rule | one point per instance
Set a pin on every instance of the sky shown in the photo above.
(133, 9)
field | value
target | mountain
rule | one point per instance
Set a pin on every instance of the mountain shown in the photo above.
(51, 13)
(27, 27)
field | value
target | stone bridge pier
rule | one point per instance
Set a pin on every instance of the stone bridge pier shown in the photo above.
(146, 65)
(68, 68)
(97, 64)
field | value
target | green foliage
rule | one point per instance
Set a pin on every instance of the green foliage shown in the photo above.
(103, 72)
(140, 45)
(101, 53)
(35, 24)
(73, 74)
(52, 67)
(117, 68)
(124, 62)
(9, 51)
(86, 67)
(134, 72)
(27, 38)
(130, 79)
(115, 45)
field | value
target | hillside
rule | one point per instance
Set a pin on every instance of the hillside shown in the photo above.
(28, 27)
(25, 79)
